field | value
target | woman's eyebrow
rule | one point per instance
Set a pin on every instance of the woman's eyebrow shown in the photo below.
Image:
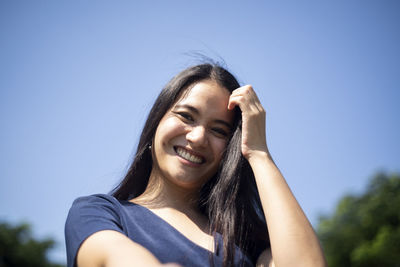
(191, 108)
(197, 112)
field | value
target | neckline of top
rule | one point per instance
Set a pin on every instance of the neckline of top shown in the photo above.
(217, 237)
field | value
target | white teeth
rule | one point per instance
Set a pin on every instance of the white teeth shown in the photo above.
(186, 155)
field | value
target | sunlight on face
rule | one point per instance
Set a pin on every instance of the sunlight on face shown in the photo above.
(192, 136)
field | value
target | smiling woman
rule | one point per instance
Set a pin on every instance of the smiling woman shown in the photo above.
(191, 137)
(202, 189)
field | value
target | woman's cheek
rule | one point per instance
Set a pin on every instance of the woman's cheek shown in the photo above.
(220, 146)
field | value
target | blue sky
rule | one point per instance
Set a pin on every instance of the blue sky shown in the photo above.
(78, 78)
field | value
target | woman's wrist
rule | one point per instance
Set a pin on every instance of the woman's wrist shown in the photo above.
(259, 156)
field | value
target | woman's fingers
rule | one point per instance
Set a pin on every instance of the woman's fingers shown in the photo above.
(246, 98)
(253, 119)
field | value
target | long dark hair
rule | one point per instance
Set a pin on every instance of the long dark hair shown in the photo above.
(230, 199)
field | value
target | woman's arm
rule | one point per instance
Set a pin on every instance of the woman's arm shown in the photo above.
(293, 240)
(110, 248)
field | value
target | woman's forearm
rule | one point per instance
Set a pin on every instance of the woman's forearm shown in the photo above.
(109, 248)
(293, 240)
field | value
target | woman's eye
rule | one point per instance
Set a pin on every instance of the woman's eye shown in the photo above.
(186, 116)
(220, 132)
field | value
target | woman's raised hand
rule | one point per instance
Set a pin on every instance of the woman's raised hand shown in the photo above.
(293, 240)
(253, 120)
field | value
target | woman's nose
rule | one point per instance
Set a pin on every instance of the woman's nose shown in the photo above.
(197, 136)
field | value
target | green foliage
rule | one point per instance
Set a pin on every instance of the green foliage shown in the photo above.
(18, 248)
(364, 231)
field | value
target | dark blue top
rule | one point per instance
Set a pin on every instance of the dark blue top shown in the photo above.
(103, 212)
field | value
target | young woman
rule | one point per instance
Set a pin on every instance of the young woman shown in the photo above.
(202, 190)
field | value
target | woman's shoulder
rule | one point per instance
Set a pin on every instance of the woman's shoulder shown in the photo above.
(88, 215)
(105, 206)
(95, 199)
(95, 209)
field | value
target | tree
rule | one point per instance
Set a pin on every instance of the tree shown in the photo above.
(365, 230)
(18, 248)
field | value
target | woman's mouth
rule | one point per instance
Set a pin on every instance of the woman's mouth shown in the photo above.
(187, 155)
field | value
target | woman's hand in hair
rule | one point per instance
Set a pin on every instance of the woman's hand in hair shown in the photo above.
(253, 120)
(292, 238)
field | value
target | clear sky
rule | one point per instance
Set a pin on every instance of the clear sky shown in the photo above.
(77, 79)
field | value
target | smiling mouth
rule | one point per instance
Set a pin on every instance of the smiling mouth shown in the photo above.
(185, 154)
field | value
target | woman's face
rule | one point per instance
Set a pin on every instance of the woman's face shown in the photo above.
(192, 136)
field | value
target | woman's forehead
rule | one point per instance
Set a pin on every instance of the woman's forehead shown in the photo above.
(207, 99)
(206, 90)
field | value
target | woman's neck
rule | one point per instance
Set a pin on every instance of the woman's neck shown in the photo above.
(161, 193)
(172, 203)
